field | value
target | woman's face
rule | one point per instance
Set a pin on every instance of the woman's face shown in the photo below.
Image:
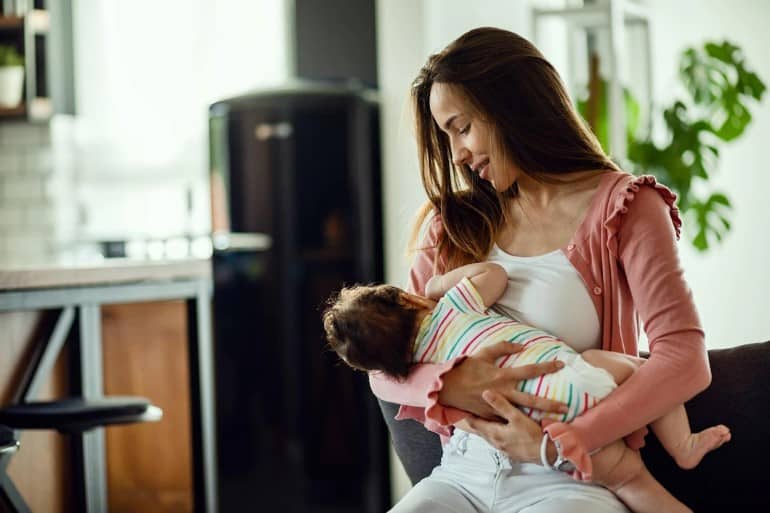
(471, 139)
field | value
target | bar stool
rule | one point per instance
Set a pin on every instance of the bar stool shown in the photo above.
(71, 416)
(76, 414)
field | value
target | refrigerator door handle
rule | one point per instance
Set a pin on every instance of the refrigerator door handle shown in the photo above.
(265, 131)
(232, 241)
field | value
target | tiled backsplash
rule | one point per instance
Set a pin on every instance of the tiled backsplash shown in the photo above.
(55, 191)
(33, 189)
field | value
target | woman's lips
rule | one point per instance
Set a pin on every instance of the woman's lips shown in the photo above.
(484, 171)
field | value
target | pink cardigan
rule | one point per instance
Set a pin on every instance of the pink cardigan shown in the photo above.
(625, 251)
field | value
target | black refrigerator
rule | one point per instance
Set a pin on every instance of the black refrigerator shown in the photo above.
(296, 206)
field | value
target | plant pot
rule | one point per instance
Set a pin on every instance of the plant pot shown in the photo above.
(11, 86)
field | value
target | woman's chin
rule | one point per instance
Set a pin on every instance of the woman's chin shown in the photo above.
(500, 187)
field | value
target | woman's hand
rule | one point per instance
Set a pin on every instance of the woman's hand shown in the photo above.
(464, 384)
(516, 435)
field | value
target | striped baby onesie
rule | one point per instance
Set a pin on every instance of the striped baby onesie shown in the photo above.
(460, 324)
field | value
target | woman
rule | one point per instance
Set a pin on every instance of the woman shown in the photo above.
(513, 176)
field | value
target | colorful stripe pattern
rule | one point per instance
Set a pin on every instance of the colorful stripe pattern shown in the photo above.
(461, 325)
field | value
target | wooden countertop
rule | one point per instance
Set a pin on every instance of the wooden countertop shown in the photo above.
(68, 271)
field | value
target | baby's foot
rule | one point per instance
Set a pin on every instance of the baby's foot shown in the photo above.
(697, 445)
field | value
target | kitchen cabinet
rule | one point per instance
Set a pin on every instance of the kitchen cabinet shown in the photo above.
(145, 353)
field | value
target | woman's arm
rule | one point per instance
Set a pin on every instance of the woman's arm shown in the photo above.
(677, 368)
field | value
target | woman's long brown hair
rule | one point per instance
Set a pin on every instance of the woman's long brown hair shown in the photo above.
(511, 86)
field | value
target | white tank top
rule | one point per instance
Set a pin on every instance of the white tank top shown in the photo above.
(547, 292)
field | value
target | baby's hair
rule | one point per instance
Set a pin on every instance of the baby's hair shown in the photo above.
(371, 328)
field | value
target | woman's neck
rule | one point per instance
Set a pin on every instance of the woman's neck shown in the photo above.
(541, 195)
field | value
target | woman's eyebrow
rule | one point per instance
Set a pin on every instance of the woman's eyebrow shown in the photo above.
(448, 122)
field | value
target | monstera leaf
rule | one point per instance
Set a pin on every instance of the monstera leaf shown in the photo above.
(721, 90)
(710, 218)
(718, 81)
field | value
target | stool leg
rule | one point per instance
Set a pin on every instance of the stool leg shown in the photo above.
(90, 446)
(10, 496)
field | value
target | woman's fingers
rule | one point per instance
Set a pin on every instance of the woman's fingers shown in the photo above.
(480, 426)
(464, 383)
(514, 375)
(515, 434)
(533, 370)
(502, 406)
(495, 351)
(532, 401)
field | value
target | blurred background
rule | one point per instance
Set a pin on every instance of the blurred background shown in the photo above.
(275, 137)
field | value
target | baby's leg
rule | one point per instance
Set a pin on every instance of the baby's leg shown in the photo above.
(673, 429)
(622, 471)
(686, 447)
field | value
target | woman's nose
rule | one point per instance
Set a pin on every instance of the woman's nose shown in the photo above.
(460, 156)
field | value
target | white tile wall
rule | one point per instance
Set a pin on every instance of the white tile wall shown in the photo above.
(28, 201)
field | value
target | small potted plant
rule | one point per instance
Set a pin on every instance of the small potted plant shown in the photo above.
(11, 76)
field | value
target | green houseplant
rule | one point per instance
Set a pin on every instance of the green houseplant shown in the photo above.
(11, 76)
(720, 89)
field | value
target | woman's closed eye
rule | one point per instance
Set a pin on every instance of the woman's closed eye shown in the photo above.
(465, 129)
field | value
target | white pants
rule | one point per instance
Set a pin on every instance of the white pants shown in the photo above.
(475, 478)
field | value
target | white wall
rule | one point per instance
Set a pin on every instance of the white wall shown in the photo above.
(145, 74)
(407, 32)
(401, 51)
(731, 281)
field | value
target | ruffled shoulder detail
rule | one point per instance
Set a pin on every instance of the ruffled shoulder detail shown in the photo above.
(572, 447)
(624, 193)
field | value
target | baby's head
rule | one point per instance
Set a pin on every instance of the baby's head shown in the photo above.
(372, 327)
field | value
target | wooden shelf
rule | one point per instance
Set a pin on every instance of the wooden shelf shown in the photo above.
(13, 112)
(11, 22)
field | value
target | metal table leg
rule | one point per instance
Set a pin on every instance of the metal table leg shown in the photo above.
(202, 400)
(91, 443)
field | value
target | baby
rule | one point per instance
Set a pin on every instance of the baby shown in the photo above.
(384, 328)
